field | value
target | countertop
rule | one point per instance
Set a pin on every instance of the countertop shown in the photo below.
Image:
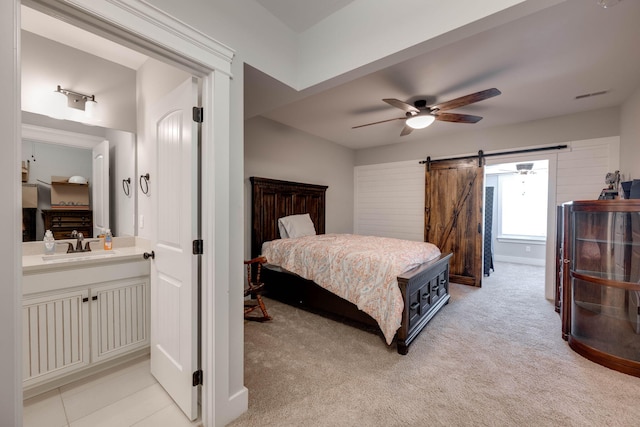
(125, 249)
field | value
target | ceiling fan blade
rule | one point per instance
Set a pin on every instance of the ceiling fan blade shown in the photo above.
(466, 100)
(406, 130)
(382, 121)
(408, 108)
(457, 118)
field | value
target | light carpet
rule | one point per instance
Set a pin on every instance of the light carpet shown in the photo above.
(493, 356)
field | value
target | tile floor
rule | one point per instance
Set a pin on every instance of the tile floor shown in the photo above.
(125, 396)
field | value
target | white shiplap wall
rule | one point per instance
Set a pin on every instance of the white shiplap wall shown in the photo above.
(581, 169)
(389, 200)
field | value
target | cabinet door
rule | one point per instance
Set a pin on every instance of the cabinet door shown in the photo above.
(119, 318)
(55, 335)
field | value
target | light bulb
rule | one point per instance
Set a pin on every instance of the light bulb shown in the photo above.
(420, 121)
(90, 107)
(57, 104)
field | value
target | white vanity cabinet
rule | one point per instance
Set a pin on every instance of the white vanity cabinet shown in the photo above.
(55, 337)
(119, 318)
(81, 316)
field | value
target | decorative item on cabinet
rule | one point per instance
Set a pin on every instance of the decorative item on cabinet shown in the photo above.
(601, 282)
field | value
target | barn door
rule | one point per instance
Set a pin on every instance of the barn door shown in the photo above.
(453, 215)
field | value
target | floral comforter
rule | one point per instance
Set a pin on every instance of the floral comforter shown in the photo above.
(360, 269)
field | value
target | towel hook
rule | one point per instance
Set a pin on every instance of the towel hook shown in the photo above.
(144, 179)
(125, 186)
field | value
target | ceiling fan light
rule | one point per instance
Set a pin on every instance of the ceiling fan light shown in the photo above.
(420, 121)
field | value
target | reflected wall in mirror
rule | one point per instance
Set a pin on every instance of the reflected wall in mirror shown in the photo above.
(54, 152)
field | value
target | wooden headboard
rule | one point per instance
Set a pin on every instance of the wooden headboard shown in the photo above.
(272, 199)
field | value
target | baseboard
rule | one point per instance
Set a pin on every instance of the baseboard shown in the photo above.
(519, 260)
(236, 406)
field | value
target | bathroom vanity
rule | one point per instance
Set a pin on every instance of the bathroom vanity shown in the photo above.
(82, 312)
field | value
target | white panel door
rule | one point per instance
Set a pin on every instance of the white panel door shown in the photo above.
(100, 187)
(174, 272)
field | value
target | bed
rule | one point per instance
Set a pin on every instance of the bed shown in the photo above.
(424, 289)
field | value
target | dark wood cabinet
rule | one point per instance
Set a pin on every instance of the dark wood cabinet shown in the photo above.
(28, 224)
(601, 282)
(63, 222)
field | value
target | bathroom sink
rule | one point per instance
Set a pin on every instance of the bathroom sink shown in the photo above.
(78, 256)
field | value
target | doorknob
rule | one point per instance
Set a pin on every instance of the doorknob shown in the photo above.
(148, 255)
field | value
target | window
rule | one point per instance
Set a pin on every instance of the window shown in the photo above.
(523, 202)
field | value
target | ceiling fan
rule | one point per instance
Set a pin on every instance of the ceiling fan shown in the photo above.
(419, 115)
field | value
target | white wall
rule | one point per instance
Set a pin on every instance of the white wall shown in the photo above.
(122, 164)
(389, 200)
(273, 150)
(630, 137)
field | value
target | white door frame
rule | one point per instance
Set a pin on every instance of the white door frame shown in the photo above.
(137, 23)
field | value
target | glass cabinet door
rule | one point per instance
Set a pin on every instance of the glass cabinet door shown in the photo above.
(605, 276)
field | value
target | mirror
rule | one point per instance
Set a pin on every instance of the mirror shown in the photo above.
(47, 152)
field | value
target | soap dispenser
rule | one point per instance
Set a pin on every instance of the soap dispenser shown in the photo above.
(49, 243)
(108, 240)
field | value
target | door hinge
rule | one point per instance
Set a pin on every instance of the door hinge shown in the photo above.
(197, 378)
(198, 114)
(198, 247)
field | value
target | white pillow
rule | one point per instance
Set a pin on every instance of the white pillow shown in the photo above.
(283, 231)
(296, 226)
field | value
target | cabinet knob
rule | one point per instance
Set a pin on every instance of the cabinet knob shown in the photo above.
(148, 255)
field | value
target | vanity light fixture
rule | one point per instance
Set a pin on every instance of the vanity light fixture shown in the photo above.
(78, 101)
(420, 121)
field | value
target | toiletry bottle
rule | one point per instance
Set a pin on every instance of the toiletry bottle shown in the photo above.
(108, 240)
(49, 243)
